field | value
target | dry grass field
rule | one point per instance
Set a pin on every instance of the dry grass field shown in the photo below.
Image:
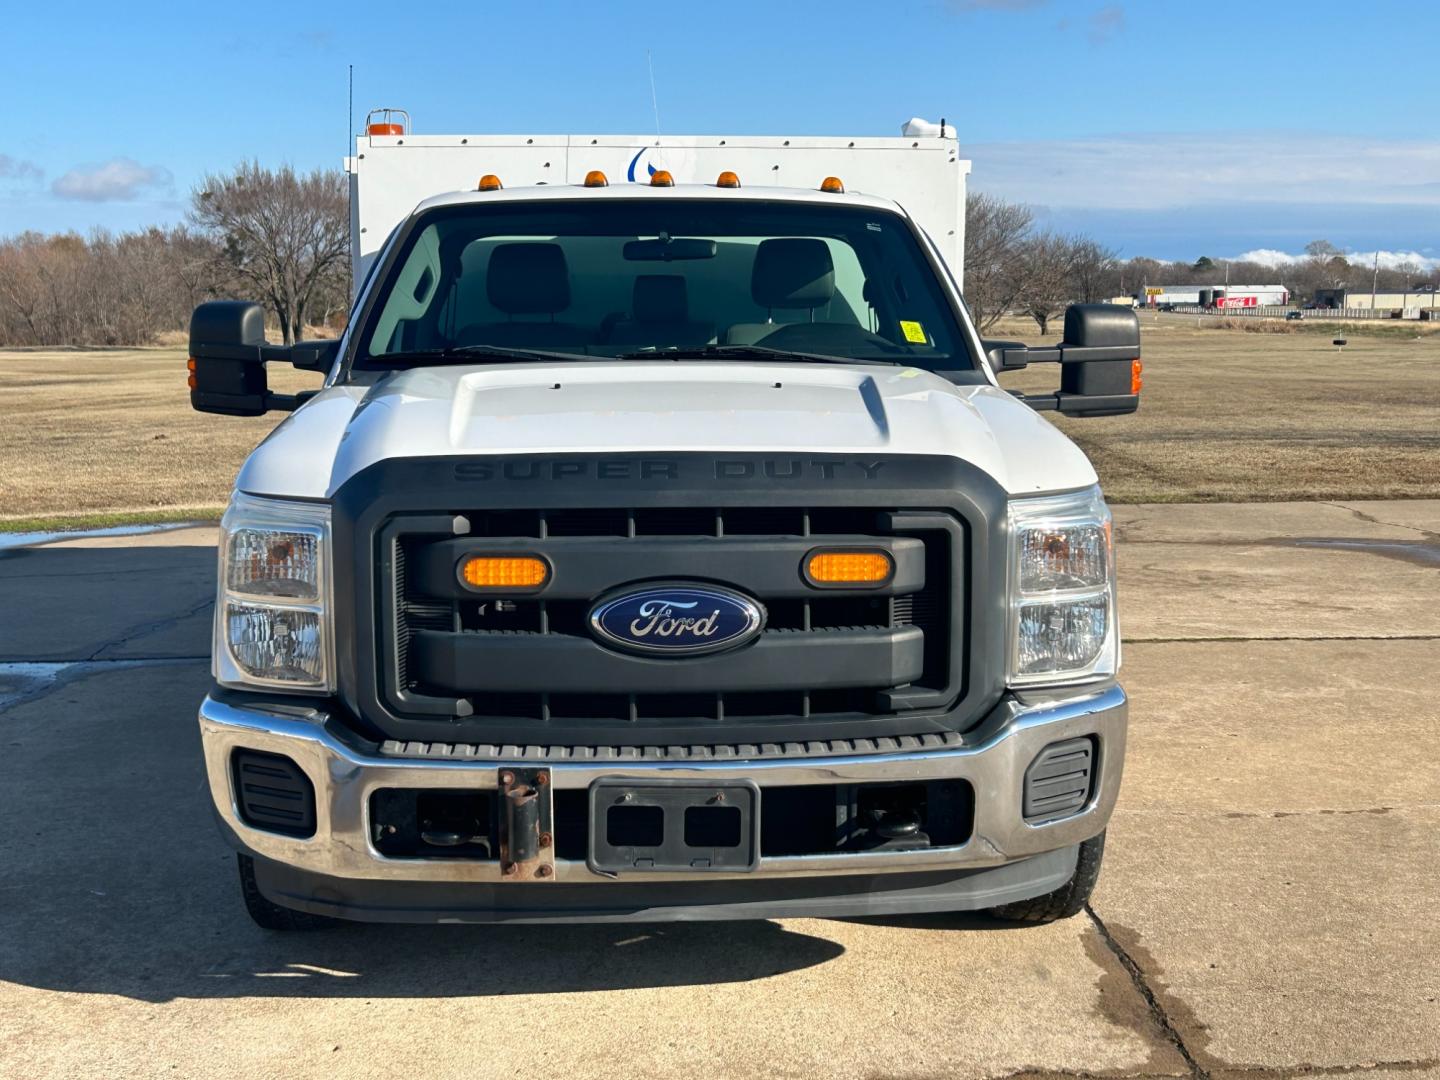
(104, 437)
(1273, 414)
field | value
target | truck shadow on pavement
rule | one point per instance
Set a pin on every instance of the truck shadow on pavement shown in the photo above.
(114, 880)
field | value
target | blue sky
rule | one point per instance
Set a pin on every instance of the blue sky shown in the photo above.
(1169, 129)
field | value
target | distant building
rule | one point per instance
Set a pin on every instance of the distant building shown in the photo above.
(1422, 297)
(1213, 296)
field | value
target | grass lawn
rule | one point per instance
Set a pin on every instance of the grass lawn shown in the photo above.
(108, 437)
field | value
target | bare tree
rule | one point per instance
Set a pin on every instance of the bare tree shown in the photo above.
(995, 234)
(1048, 284)
(1092, 269)
(285, 235)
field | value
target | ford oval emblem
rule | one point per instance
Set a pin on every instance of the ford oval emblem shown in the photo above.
(676, 620)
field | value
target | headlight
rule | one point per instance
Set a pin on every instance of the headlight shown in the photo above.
(273, 621)
(1062, 590)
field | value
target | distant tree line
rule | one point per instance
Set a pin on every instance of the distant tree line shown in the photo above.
(1013, 267)
(282, 238)
(274, 236)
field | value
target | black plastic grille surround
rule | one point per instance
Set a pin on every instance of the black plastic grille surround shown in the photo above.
(937, 649)
(763, 549)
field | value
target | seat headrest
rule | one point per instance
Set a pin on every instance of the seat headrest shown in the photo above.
(660, 298)
(792, 272)
(528, 279)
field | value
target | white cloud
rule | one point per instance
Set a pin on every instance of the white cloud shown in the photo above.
(1389, 260)
(19, 169)
(120, 179)
(1105, 24)
(1151, 172)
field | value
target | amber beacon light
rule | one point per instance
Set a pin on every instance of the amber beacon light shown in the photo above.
(490, 182)
(504, 572)
(848, 567)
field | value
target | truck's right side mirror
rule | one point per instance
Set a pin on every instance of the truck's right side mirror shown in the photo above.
(226, 366)
(228, 355)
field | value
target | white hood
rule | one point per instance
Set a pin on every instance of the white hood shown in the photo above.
(660, 406)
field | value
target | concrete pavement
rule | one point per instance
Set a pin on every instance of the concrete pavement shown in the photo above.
(1268, 906)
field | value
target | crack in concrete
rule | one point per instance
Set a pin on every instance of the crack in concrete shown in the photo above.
(145, 629)
(1373, 520)
(1159, 1015)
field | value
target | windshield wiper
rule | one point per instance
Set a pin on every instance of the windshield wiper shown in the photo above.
(480, 352)
(749, 352)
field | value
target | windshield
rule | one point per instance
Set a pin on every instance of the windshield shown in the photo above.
(605, 278)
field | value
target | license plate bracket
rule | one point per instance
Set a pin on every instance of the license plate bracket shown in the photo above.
(673, 825)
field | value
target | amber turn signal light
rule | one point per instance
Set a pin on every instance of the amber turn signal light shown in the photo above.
(1136, 382)
(596, 178)
(661, 178)
(504, 572)
(849, 567)
(833, 184)
(490, 182)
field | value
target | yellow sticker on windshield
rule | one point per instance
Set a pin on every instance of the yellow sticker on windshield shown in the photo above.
(913, 332)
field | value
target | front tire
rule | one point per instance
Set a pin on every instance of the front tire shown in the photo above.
(271, 916)
(1068, 900)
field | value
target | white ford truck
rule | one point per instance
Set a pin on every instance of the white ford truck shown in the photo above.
(661, 546)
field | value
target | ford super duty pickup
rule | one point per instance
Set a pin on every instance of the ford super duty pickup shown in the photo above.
(662, 550)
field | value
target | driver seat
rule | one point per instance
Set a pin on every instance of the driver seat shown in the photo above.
(789, 274)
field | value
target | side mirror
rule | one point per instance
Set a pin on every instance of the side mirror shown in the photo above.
(1100, 355)
(1099, 362)
(228, 355)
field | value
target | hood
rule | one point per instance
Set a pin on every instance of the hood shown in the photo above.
(660, 406)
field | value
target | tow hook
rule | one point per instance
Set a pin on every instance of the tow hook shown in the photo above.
(527, 814)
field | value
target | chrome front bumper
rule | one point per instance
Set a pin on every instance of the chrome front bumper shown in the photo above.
(345, 779)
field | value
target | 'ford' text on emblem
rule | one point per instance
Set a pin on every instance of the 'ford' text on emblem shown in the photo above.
(676, 620)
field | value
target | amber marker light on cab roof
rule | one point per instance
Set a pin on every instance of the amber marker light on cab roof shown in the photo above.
(848, 568)
(596, 178)
(728, 179)
(833, 184)
(661, 178)
(504, 572)
(490, 182)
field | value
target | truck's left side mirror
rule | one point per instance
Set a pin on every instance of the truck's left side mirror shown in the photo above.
(1100, 361)
(228, 355)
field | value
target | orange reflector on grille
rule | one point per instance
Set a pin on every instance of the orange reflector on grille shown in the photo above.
(508, 572)
(1136, 382)
(849, 567)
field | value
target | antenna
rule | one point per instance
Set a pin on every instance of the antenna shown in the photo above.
(654, 101)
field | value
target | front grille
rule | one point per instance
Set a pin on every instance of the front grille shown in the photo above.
(426, 611)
